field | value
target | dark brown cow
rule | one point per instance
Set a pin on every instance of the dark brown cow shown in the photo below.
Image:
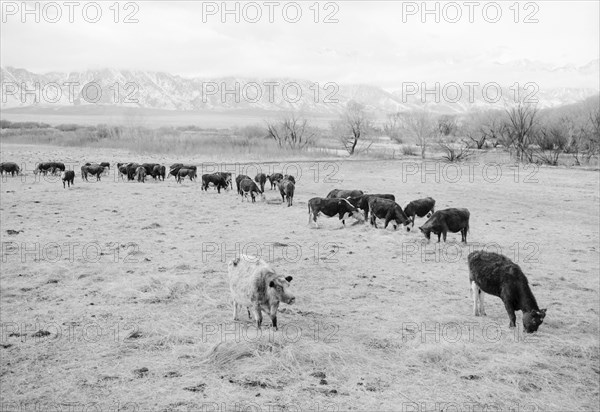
(388, 210)
(447, 220)
(331, 207)
(238, 180)
(497, 275)
(140, 174)
(91, 169)
(68, 176)
(274, 178)
(9, 167)
(183, 172)
(421, 208)
(286, 190)
(362, 202)
(215, 179)
(248, 186)
(344, 194)
(254, 284)
(261, 179)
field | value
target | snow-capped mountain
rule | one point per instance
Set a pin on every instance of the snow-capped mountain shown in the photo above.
(164, 91)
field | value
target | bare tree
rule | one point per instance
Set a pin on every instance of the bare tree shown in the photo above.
(421, 126)
(291, 132)
(521, 128)
(353, 126)
(393, 127)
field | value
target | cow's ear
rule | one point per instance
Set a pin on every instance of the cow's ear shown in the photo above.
(542, 313)
(289, 278)
(272, 284)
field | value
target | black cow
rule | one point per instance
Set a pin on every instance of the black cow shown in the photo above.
(122, 171)
(344, 194)
(421, 208)
(286, 189)
(68, 176)
(290, 178)
(447, 220)
(215, 179)
(44, 168)
(388, 210)
(158, 172)
(238, 180)
(183, 172)
(91, 169)
(149, 167)
(9, 167)
(274, 178)
(497, 275)
(261, 179)
(105, 165)
(331, 207)
(174, 169)
(248, 186)
(131, 170)
(362, 202)
(227, 177)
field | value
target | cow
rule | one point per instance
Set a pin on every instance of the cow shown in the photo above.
(274, 178)
(421, 208)
(344, 194)
(286, 189)
(362, 202)
(447, 220)
(248, 186)
(331, 207)
(158, 172)
(105, 165)
(255, 285)
(238, 179)
(68, 176)
(140, 174)
(49, 166)
(227, 177)
(215, 179)
(183, 172)
(9, 167)
(131, 170)
(149, 167)
(122, 171)
(290, 178)
(261, 179)
(174, 169)
(388, 210)
(497, 275)
(91, 169)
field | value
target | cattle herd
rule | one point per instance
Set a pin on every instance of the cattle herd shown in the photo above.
(254, 283)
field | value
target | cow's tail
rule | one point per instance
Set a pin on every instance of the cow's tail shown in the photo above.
(309, 213)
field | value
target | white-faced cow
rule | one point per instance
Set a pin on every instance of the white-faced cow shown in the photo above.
(247, 186)
(497, 275)
(255, 285)
(68, 176)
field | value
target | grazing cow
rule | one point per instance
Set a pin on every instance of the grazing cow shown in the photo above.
(388, 210)
(248, 186)
(255, 285)
(261, 179)
(331, 207)
(140, 174)
(131, 170)
(421, 208)
(91, 169)
(122, 171)
(183, 172)
(149, 167)
(286, 189)
(497, 275)
(362, 202)
(106, 165)
(274, 178)
(49, 166)
(68, 176)
(344, 194)
(447, 220)
(9, 167)
(174, 169)
(216, 179)
(158, 172)
(238, 179)
(227, 177)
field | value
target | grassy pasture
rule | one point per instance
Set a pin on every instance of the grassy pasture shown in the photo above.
(115, 294)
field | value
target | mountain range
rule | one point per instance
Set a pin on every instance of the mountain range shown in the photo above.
(25, 90)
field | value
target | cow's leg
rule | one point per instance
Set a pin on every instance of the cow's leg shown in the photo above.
(464, 235)
(439, 235)
(444, 233)
(257, 315)
(273, 315)
(511, 314)
(249, 315)
(235, 310)
(475, 297)
(481, 305)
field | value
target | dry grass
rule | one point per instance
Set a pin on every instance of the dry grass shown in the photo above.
(159, 330)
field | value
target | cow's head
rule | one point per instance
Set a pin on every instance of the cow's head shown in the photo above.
(354, 201)
(278, 289)
(532, 320)
(426, 232)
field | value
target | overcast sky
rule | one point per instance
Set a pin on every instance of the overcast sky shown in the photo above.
(369, 43)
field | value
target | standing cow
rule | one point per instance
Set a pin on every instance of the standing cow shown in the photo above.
(286, 189)
(140, 174)
(247, 186)
(261, 179)
(9, 167)
(91, 169)
(255, 285)
(183, 172)
(497, 275)
(447, 220)
(68, 176)
(388, 210)
(274, 178)
(421, 208)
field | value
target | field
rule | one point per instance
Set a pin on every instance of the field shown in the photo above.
(115, 294)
